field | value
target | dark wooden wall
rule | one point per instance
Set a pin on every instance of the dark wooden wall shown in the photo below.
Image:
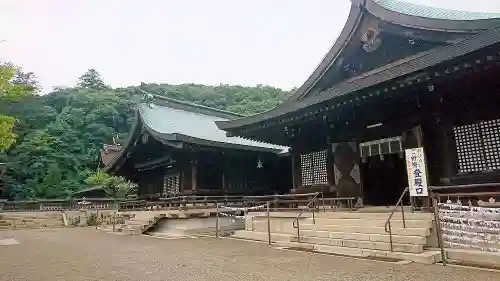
(468, 97)
(205, 170)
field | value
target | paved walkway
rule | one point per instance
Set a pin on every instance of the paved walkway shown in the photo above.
(85, 254)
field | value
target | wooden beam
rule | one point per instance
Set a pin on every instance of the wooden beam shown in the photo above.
(294, 181)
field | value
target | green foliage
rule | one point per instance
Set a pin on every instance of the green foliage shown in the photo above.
(238, 99)
(91, 80)
(59, 135)
(28, 79)
(114, 186)
(7, 137)
(10, 90)
(73, 125)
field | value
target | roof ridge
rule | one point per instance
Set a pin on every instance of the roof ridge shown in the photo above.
(429, 11)
(190, 105)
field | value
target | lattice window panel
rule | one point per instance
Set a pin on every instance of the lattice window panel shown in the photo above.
(313, 168)
(491, 140)
(171, 184)
(478, 146)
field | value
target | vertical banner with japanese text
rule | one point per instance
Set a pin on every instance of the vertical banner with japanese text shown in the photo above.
(417, 171)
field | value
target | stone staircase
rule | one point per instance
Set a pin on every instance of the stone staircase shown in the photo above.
(142, 222)
(132, 223)
(30, 220)
(348, 233)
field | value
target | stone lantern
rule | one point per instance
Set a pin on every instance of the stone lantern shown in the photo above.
(83, 211)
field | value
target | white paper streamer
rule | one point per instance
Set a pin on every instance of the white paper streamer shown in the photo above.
(232, 216)
(243, 209)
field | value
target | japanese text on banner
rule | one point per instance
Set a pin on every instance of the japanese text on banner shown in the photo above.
(417, 171)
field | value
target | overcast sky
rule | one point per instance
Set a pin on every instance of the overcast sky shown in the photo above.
(247, 42)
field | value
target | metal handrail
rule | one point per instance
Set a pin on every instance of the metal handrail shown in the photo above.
(387, 226)
(295, 223)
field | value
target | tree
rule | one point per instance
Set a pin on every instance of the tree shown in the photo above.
(9, 91)
(116, 187)
(7, 136)
(51, 185)
(59, 134)
(26, 78)
(91, 80)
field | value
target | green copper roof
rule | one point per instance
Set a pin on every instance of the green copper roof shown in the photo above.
(411, 9)
(192, 126)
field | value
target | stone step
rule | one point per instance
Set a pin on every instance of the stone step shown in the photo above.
(427, 257)
(424, 232)
(373, 230)
(350, 222)
(261, 236)
(346, 215)
(415, 240)
(371, 222)
(136, 222)
(382, 215)
(384, 246)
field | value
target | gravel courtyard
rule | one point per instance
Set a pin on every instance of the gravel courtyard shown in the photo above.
(85, 254)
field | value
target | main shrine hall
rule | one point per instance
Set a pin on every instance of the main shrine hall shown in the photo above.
(399, 76)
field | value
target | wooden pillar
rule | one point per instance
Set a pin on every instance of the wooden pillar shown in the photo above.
(294, 176)
(296, 170)
(329, 167)
(194, 175)
(449, 153)
(412, 138)
(224, 181)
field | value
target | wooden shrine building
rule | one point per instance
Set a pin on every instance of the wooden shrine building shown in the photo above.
(399, 76)
(175, 148)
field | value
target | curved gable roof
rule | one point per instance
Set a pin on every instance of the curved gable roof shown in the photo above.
(173, 124)
(411, 9)
(173, 121)
(400, 68)
(353, 20)
(431, 18)
(403, 14)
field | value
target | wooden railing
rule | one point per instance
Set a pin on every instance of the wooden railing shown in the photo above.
(55, 205)
(277, 202)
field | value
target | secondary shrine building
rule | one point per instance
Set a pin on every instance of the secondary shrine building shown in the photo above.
(175, 148)
(399, 76)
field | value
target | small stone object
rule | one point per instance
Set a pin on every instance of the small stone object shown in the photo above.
(359, 203)
(83, 211)
(84, 204)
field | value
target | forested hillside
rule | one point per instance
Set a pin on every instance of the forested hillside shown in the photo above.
(58, 136)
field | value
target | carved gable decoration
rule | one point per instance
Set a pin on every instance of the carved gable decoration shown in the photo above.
(145, 137)
(371, 39)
